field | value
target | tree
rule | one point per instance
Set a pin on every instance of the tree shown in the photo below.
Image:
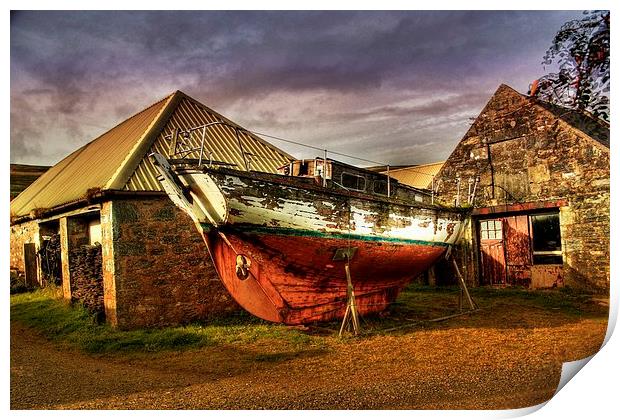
(580, 51)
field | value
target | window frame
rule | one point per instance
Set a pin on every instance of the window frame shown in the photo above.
(354, 175)
(485, 229)
(556, 253)
(375, 182)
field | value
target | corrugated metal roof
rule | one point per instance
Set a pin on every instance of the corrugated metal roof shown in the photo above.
(118, 159)
(89, 167)
(221, 141)
(419, 176)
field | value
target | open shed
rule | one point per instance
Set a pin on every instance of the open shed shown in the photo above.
(122, 247)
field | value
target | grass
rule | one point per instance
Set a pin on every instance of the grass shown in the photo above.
(417, 304)
(416, 298)
(73, 325)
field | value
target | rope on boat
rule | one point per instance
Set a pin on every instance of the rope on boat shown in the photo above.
(226, 241)
(443, 318)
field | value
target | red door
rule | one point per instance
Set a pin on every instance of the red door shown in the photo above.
(518, 254)
(492, 255)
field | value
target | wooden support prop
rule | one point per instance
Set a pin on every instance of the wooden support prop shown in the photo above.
(351, 317)
(463, 286)
(345, 320)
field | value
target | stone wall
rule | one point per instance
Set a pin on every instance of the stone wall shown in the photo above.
(523, 153)
(156, 267)
(585, 239)
(19, 235)
(73, 235)
(86, 278)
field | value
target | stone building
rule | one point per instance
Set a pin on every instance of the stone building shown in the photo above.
(537, 177)
(151, 268)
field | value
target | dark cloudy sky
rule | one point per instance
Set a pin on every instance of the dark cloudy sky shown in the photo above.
(397, 87)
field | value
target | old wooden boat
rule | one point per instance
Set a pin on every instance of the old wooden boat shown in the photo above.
(280, 242)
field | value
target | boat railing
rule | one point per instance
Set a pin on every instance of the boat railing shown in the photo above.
(181, 147)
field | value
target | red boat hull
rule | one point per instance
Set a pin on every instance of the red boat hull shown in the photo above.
(294, 279)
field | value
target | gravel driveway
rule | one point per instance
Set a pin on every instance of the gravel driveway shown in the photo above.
(466, 363)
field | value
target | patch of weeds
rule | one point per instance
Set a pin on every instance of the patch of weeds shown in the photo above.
(46, 312)
(18, 283)
(417, 304)
(565, 300)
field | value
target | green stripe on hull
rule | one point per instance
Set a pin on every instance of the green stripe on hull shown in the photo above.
(327, 235)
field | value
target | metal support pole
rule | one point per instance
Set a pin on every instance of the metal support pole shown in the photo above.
(388, 181)
(245, 162)
(433, 190)
(202, 145)
(325, 167)
(173, 143)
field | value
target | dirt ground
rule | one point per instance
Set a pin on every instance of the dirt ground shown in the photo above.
(504, 356)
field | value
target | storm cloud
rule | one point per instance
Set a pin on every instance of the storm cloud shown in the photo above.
(396, 87)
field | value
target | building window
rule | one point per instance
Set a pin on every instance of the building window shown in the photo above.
(353, 182)
(94, 231)
(491, 229)
(546, 239)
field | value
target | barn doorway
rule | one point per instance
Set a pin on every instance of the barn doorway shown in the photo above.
(492, 254)
(49, 253)
(521, 249)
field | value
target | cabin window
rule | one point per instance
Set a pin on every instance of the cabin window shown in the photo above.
(491, 229)
(303, 168)
(379, 187)
(546, 239)
(353, 182)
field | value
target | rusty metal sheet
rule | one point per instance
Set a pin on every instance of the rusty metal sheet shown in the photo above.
(545, 276)
(517, 240)
(518, 250)
(520, 275)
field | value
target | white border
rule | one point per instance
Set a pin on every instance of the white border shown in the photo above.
(592, 395)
